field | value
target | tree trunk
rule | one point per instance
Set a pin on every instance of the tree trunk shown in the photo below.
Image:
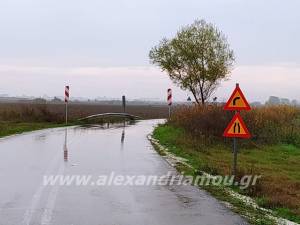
(196, 99)
(193, 92)
(202, 97)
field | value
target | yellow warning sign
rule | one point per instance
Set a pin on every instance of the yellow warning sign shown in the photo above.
(237, 101)
(237, 128)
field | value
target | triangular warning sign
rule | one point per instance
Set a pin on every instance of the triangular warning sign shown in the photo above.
(237, 101)
(237, 128)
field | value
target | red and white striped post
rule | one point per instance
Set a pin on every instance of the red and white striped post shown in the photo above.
(67, 94)
(169, 100)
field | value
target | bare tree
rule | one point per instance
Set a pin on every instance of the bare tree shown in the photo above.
(197, 59)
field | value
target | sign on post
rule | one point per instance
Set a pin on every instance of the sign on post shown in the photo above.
(67, 95)
(124, 103)
(237, 100)
(169, 100)
(236, 127)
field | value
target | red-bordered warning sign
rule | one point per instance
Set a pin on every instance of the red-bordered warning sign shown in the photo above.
(237, 101)
(237, 128)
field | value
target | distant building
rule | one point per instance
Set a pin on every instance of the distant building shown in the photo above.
(273, 100)
(285, 101)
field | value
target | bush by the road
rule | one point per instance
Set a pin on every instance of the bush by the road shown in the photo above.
(268, 124)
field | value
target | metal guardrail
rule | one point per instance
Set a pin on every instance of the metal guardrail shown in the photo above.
(126, 115)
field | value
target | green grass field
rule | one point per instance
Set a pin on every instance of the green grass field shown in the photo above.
(279, 165)
(10, 128)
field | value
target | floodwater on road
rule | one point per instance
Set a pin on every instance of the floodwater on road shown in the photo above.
(26, 159)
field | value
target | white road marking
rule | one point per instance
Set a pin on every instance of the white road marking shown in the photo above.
(37, 196)
(48, 211)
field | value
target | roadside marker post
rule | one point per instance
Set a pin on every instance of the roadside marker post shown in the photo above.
(67, 95)
(124, 109)
(124, 103)
(236, 127)
(169, 100)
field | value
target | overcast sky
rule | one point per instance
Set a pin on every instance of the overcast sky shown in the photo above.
(100, 48)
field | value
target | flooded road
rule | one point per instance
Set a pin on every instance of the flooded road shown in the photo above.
(25, 161)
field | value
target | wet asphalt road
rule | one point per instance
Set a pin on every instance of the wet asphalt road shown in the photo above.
(26, 158)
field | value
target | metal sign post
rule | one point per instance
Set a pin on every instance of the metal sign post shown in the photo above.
(124, 103)
(236, 128)
(66, 113)
(235, 152)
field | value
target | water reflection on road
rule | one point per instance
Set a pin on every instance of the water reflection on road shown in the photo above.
(96, 150)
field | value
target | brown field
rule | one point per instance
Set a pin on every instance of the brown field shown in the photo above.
(268, 124)
(54, 112)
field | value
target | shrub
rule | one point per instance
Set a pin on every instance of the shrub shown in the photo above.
(30, 113)
(267, 125)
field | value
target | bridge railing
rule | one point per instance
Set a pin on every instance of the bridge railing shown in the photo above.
(103, 115)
